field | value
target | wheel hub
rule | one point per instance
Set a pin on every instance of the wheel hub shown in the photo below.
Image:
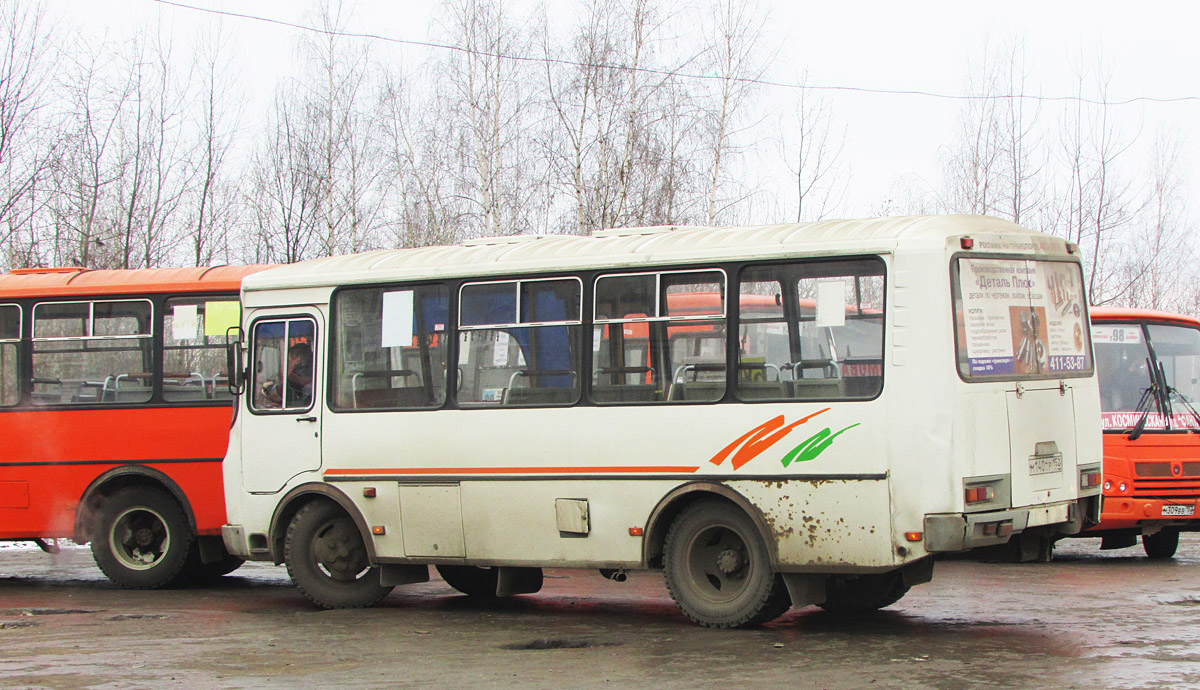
(729, 561)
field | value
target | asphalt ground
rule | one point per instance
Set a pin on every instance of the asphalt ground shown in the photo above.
(1089, 619)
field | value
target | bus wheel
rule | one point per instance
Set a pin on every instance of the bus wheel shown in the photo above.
(718, 570)
(141, 539)
(471, 580)
(862, 593)
(1162, 544)
(327, 559)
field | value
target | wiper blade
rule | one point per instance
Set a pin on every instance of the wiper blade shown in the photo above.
(1187, 404)
(1154, 392)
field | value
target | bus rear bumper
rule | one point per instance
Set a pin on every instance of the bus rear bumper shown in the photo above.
(962, 531)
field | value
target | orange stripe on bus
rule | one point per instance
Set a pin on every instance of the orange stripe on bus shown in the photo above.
(512, 470)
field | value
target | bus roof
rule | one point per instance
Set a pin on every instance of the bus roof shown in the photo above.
(1127, 314)
(55, 282)
(635, 247)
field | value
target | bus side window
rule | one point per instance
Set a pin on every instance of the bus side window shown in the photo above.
(519, 342)
(660, 337)
(811, 331)
(194, 342)
(390, 348)
(92, 353)
(10, 335)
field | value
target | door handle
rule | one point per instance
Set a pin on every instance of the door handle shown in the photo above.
(306, 419)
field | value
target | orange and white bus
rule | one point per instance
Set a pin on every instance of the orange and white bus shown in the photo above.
(115, 412)
(1149, 368)
(773, 416)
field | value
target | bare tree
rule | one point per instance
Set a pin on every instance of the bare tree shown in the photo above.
(736, 59)
(155, 153)
(214, 206)
(346, 159)
(25, 53)
(1162, 257)
(286, 189)
(812, 151)
(1096, 205)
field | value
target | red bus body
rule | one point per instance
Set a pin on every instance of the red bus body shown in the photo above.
(1151, 480)
(60, 461)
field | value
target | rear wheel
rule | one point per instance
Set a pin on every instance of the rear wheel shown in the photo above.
(1162, 544)
(328, 561)
(471, 580)
(718, 570)
(862, 593)
(141, 539)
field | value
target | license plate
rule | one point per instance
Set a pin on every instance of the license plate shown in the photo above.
(1045, 464)
(1179, 510)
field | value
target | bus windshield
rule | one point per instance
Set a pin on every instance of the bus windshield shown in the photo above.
(1124, 355)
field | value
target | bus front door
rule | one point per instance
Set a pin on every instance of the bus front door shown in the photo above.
(284, 400)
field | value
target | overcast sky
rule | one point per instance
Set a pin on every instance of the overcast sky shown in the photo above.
(1149, 48)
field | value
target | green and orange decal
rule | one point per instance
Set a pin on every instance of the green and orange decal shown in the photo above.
(762, 437)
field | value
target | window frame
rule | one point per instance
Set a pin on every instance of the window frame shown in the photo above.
(334, 349)
(283, 409)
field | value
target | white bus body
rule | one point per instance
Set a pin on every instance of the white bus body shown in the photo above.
(904, 387)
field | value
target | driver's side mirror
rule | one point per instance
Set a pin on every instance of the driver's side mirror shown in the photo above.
(233, 360)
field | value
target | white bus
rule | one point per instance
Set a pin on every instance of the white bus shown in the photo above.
(774, 416)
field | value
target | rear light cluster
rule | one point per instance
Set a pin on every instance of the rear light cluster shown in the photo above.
(980, 494)
(1088, 480)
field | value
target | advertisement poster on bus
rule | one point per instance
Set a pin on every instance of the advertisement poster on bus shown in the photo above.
(1021, 317)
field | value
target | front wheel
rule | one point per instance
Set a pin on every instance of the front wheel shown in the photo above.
(1162, 544)
(718, 570)
(327, 559)
(141, 540)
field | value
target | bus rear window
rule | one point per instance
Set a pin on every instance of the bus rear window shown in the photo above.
(1019, 318)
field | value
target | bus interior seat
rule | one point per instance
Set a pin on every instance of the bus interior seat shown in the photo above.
(763, 390)
(638, 392)
(369, 398)
(817, 389)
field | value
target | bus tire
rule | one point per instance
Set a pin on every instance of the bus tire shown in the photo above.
(327, 559)
(863, 593)
(142, 538)
(718, 570)
(473, 581)
(1162, 544)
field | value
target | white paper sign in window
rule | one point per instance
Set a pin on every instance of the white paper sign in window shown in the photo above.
(185, 323)
(831, 302)
(397, 319)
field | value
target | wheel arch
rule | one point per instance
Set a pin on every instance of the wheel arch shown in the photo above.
(675, 502)
(116, 479)
(301, 496)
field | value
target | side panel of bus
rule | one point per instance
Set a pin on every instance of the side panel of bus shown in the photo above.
(53, 456)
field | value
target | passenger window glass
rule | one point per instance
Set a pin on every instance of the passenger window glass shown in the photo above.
(194, 340)
(811, 330)
(533, 360)
(390, 349)
(660, 337)
(10, 392)
(284, 366)
(92, 353)
(10, 334)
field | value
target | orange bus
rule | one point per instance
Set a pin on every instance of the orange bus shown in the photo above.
(115, 412)
(1149, 368)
